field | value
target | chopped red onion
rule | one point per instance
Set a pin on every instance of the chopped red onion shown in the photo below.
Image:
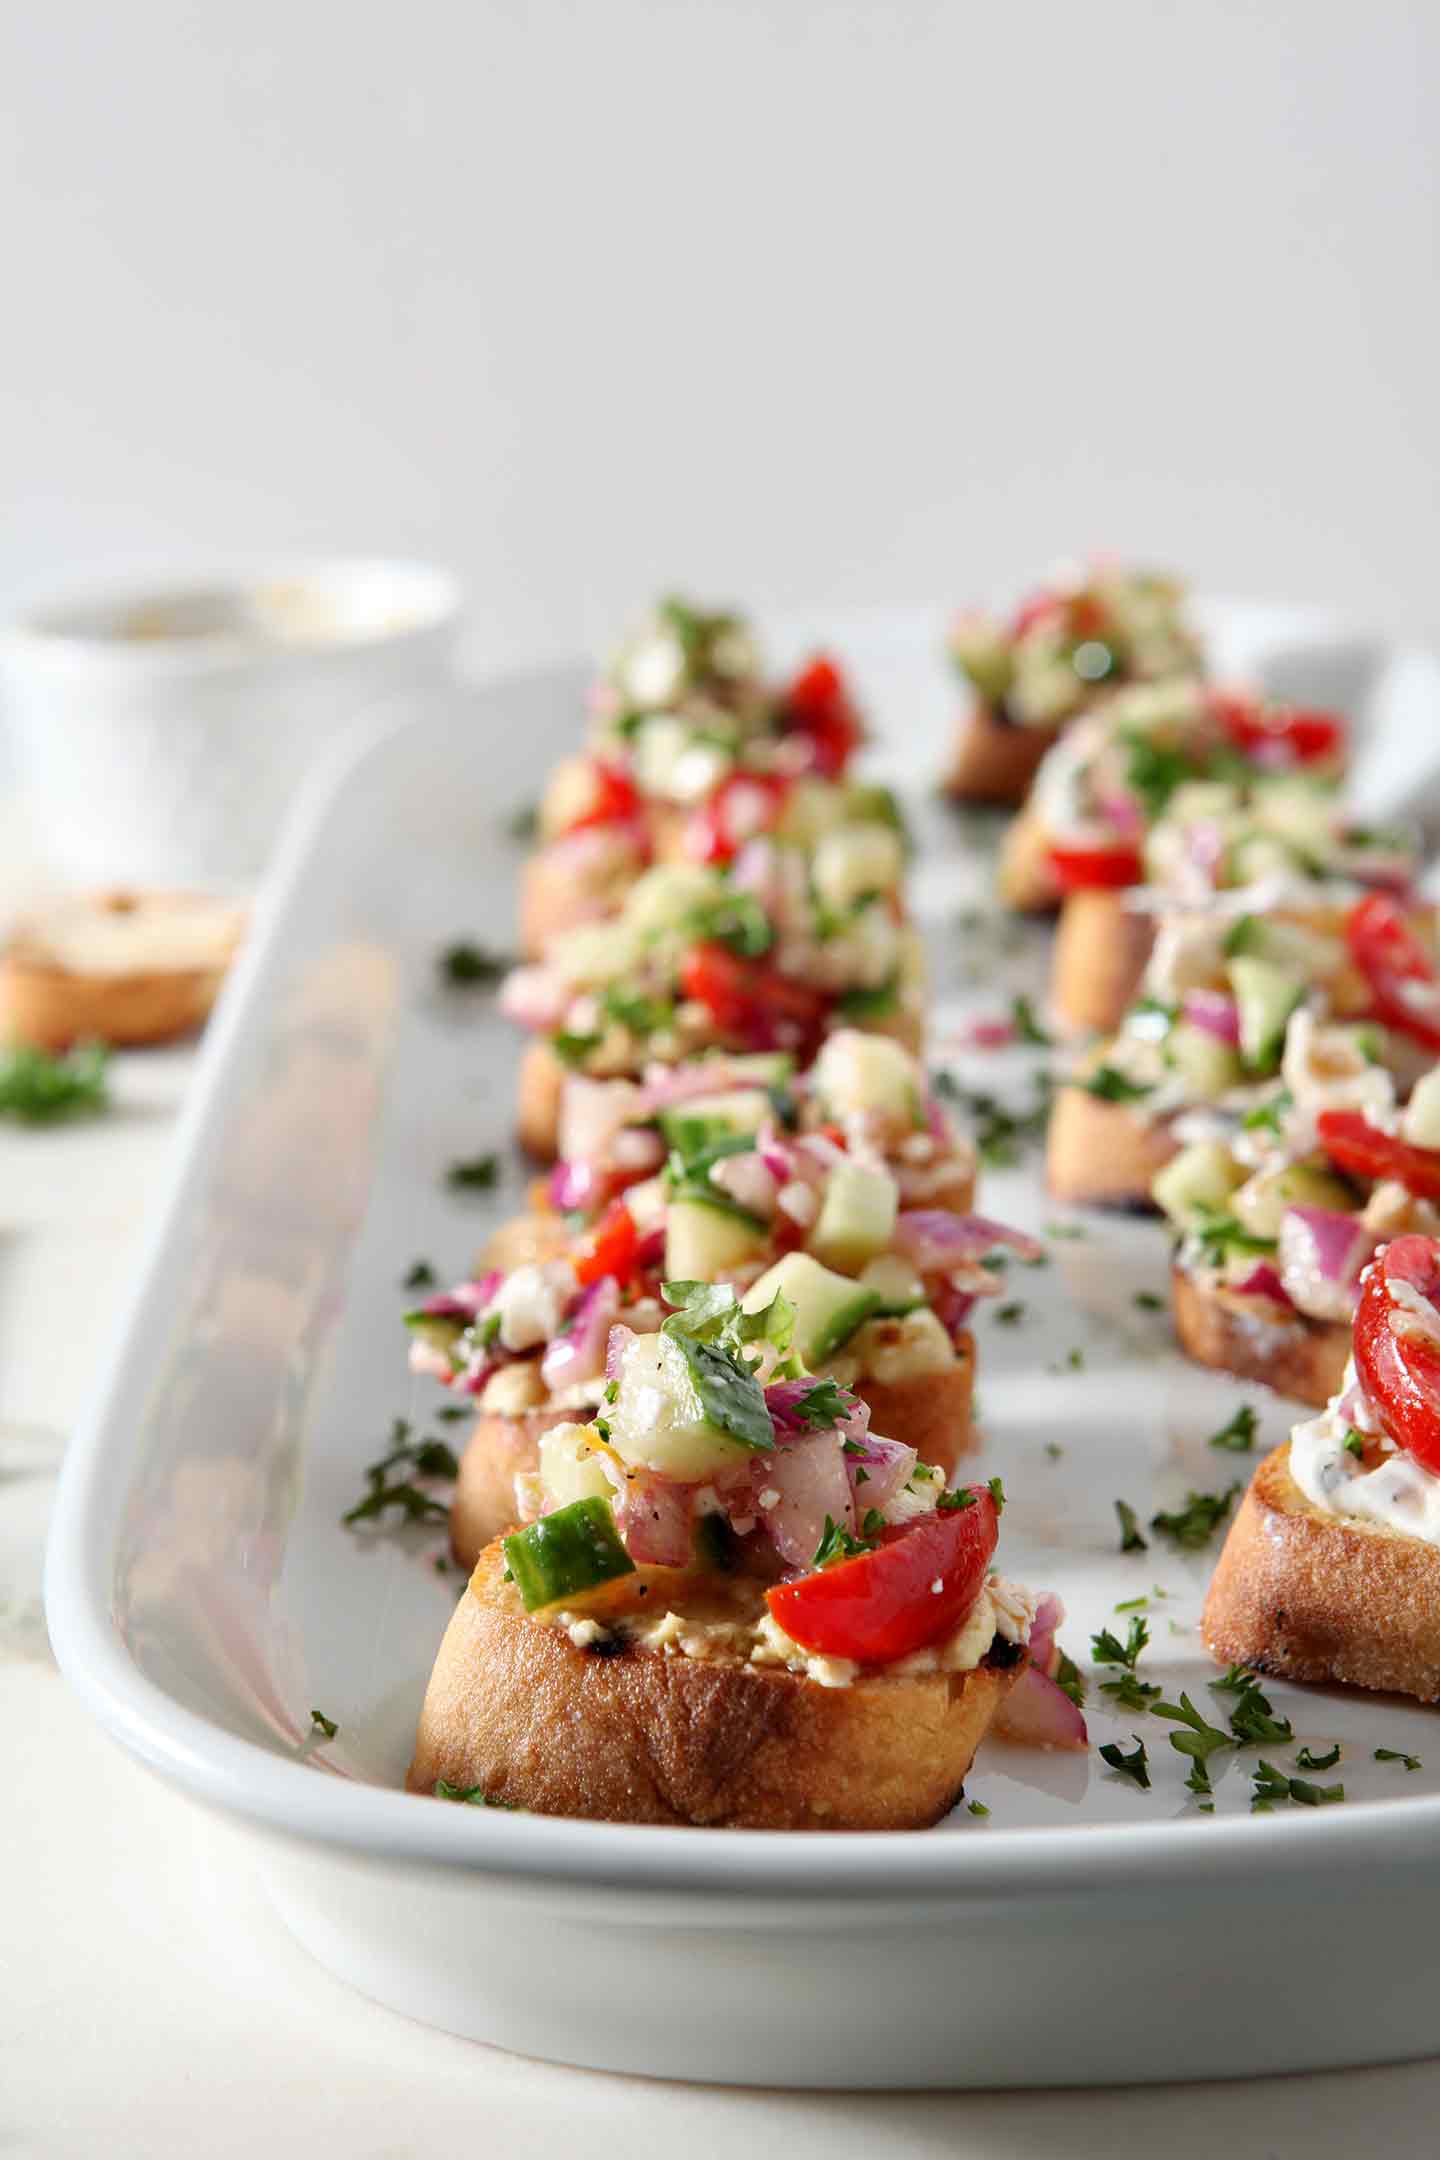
(572, 1185)
(580, 1352)
(592, 1112)
(932, 1239)
(879, 1470)
(654, 1517)
(1049, 1613)
(617, 1342)
(534, 997)
(1262, 1281)
(1321, 1252)
(1214, 1013)
(1038, 1713)
(811, 1482)
(784, 1398)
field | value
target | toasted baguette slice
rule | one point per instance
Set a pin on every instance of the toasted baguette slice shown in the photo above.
(539, 1234)
(563, 887)
(995, 761)
(639, 1735)
(1311, 1596)
(1101, 951)
(1295, 1356)
(932, 1414)
(1024, 878)
(1100, 1154)
(118, 967)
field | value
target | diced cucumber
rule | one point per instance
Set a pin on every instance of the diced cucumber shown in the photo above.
(566, 1553)
(664, 896)
(828, 1307)
(857, 1073)
(895, 1283)
(1208, 1067)
(855, 860)
(1421, 1121)
(857, 1214)
(659, 1421)
(702, 1241)
(1199, 1181)
(570, 1466)
(1266, 995)
(1261, 1201)
(736, 1110)
(761, 1068)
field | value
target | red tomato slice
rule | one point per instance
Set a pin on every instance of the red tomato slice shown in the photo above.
(1082, 869)
(916, 1587)
(1400, 1372)
(1038, 608)
(1279, 734)
(1388, 954)
(612, 1248)
(615, 797)
(747, 998)
(817, 704)
(1354, 1144)
(742, 806)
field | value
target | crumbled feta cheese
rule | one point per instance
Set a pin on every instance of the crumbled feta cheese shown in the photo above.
(531, 1302)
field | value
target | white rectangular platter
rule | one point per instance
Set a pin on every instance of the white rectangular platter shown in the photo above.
(204, 1597)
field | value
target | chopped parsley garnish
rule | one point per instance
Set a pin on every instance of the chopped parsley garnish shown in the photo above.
(1027, 1027)
(420, 1277)
(734, 919)
(387, 1492)
(1252, 1720)
(1108, 1084)
(1133, 1604)
(641, 1015)
(1193, 1526)
(471, 1795)
(1269, 1116)
(572, 1048)
(1066, 1230)
(712, 1313)
(524, 821)
(452, 1413)
(1307, 1759)
(1070, 1680)
(1107, 1649)
(1382, 1754)
(1272, 1784)
(730, 1395)
(1239, 1435)
(976, 1807)
(1245, 935)
(1131, 1766)
(1054, 1450)
(870, 1004)
(1147, 1301)
(1000, 1132)
(1354, 1442)
(322, 1724)
(1220, 1235)
(824, 1405)
(1129, 1693)
(1235, 1681)
(997, 1494)
(1197, 1740)
(464, 966)
(873, 1524)
(1130, 1536)
(952, 1503)
(42, 1090)
(1154, 771)
(1075, 1359)
(836, 1543)
(476, 1174)
(1009, 1315)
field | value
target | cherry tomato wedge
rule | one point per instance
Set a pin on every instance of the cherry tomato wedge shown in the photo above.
(751, 1000)
(1388, 954)
(612, 1248)
(1279, 734)
(917, 1586)
(1354, 1144)
(742, 806)
(614, 797)
(1083, 869)
(1400, 1372)
(817, 704)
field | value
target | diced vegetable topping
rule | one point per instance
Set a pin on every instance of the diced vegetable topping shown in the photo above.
(566, 1553)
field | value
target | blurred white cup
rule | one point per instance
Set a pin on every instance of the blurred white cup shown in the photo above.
(158, 732)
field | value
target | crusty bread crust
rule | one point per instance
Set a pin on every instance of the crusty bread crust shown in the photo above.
(1312, 1596)
(53, 1007)
(1101, 951)
(995, 762)
(1024, 878)
(932, 1414)
(539, 1234)
(1099, 1154)
(559, 891)
(1293, 1355)
(538, 1091)
(641, 1736)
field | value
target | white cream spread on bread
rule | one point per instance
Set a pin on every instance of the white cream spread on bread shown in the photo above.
(1398, 1492)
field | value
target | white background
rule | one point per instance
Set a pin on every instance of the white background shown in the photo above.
(809, 300)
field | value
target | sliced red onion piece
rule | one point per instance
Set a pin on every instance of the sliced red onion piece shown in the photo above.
(777, 1154)
(617, 1342)
(933, 1239)
(654, 1517)
(1038, 1713)
(665, 1084)
(811, 1481)
(572, 1185)
(580, 1352)
(598, 848)
(465, 1300)
(754, 871)
(1262, 1281)
(881, 1469)
(952, 1307)
(1321, 1252)
(748, 1181)
(534, 997)
(592, 1112)
(1048, 1615)
(784, 1400)
(1121, 812)
(1214, 1013)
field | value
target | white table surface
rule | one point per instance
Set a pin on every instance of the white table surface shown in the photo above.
(150, 2001)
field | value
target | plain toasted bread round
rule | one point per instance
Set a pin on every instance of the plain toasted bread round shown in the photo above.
(560, 889)
(641, 1735)
(1101, 951)
(1293, 1355)
(994, 760)
(109, 967)
(1024, 878)
(932, 1414)
(1100, 1154)
(1308, 1595)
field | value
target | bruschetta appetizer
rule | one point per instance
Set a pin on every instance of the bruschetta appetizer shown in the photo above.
(864, 1291)
(730, 1603)
(1084, 633)
(1199, 1052)
(120, 967)
(1331, 1569)
(691, 754)
(771, 954)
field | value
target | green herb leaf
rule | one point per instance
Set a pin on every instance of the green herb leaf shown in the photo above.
(420, 1277)
(954, 1503)
(1107, 1649)
(1147, 1301)
(1108, 1084)
(1252, 1720)
(836, 1543)
(464, 966)
(1131, 1766)
(523, 822)
(1193, 1526)
(1239, 1435)
(1307, 1759)
(39, 1089)
(322, 1724)
(1130, 1537)
(478, 1174)
(1354, 1442)
(730, 1395)
(1269, 1116)
(1197, 1740)
(1069, 1679)
(824, 1405)
(1009, 1315)
(1128, 1693)
(1382, 1754)
(1271, 1785)
(572, 1047)
(976, 1807)
(870, 1004)
(1235, 1681)
(470, 1796)
(388, 1494)
(1027, 1027)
